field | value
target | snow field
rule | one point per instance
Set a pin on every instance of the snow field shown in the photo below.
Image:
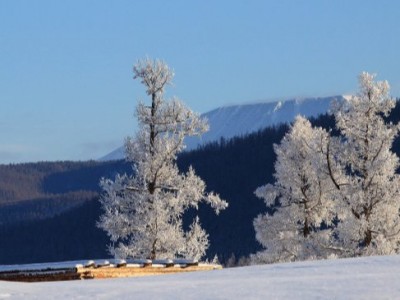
(355, 278)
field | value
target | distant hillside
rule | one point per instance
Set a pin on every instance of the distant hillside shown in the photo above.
(237, 120)
(41, 190)
(67, 236)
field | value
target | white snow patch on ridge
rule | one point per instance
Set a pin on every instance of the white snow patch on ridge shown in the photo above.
(238, 120)
(231, 121)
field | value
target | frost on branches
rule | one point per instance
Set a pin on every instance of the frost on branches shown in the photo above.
(301, 197)
(143, 213)
(335, 195)
(370, 223)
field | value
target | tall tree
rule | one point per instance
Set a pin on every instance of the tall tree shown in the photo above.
(301, 197)
(143, 213)
(370, 223)
(347, 183)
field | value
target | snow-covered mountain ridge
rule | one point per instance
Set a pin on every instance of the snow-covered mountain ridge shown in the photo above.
(237, 120)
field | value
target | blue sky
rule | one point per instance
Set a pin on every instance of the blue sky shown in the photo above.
(66, 87)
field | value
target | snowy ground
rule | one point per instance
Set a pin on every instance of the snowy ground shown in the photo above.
(360, 278)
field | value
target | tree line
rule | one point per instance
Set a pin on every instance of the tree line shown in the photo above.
(234, 168)
(159, 202)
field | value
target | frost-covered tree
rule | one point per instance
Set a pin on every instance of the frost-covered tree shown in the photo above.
(369, 220)
(346, 183)
(302, 198)
(143, 213)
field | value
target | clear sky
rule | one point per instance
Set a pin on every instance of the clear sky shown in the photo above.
(66, 87)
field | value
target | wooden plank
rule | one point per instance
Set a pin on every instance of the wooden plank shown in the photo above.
(92, 272)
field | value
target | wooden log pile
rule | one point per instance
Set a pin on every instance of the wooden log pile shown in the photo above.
(100, 269)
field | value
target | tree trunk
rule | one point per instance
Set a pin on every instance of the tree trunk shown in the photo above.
(306, 229)
(367, 238)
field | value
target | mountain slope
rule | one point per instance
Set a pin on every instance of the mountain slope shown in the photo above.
(237, 120)
(32, 191)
